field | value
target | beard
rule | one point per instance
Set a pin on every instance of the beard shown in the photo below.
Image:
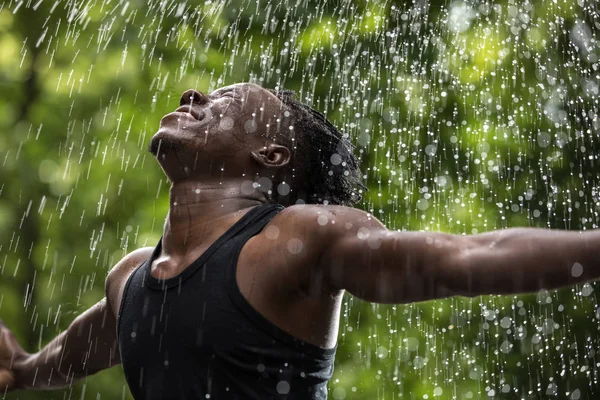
(164, 145)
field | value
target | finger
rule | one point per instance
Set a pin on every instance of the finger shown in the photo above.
(9, 342)
(7, 381)
(8, 335)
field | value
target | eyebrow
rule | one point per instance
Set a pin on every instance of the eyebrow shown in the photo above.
(224, 89)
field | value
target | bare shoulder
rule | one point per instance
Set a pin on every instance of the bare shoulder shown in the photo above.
(324, 220)
(299, 237)
(117, 276)
(305, 231)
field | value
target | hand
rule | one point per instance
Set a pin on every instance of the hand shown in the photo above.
(11, 354)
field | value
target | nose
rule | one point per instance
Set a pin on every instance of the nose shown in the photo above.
(191, 96)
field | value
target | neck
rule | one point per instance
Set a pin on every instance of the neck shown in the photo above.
(197, 208)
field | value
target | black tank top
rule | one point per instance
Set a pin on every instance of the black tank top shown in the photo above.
(195, 336)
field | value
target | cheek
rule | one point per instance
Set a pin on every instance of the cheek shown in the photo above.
(223, 141)
(250, 126)
(226, 123)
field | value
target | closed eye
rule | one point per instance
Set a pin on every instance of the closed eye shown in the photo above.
(231, 95)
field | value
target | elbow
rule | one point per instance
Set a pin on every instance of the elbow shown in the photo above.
(456, 275)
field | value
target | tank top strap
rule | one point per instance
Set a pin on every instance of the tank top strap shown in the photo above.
(243, 305)
(258, 221)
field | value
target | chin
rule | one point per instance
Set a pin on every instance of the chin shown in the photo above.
(165, 144)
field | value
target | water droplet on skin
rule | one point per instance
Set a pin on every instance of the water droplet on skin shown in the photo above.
(363, 233)
(250, 126)
(295, 246)
(374, 242)
(272, 232)
(322, 220)
(248, 187)
(264, 184)
(577, 270)
(226, 123)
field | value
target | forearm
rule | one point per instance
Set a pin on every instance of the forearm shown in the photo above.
(45, 369)
(524, 260)
(89, 345)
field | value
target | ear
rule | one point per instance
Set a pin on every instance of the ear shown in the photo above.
(272, 155)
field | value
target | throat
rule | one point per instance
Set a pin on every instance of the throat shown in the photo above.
(189, 224)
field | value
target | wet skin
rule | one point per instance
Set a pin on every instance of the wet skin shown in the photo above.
(300, 264)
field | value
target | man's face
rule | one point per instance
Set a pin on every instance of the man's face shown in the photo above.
(219, 126)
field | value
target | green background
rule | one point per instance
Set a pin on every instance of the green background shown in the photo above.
(467, 116)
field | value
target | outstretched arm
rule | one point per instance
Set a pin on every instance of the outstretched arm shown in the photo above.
(87, 346)
(375, 264)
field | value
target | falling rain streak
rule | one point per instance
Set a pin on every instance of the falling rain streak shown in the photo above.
(468, 116)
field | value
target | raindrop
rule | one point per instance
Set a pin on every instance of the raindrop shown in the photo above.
(250, 126)
(294, 246)
(363, 233)
(283, 189)
(412, 343)
(336, 159)
(577, 270)
(419, 362)
(247, 187)
(587, 290)
(430, 150)
(272, 232)
(543, 139)
(283, 387)
(226, 124)
(264, 184)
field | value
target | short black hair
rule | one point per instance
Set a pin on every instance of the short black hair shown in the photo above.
(325, 171)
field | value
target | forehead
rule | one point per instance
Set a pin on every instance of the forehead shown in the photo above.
(251, 91)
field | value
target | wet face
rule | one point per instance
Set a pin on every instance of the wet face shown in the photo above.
(224, 126)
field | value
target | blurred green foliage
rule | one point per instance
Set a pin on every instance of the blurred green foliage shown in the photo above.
(468, 117)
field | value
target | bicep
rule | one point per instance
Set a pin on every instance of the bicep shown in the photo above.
(384, 266)
(118, 275)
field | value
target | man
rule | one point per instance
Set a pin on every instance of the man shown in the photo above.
(240, 299)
